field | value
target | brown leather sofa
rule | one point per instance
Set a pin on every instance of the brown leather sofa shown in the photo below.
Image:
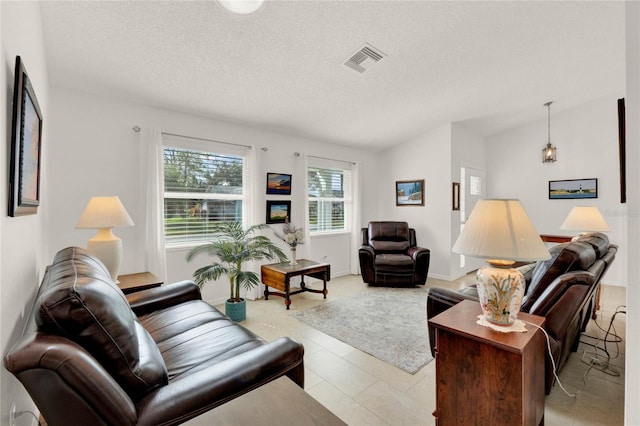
(92, 356)
(562, 289)
(390, 255)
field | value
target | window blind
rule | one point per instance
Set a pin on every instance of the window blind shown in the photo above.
(204, 184)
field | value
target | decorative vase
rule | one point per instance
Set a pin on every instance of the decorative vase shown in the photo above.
(500, 290)
(237, 311)
(293, 260)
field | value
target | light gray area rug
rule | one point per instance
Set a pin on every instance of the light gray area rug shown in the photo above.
(388, 323)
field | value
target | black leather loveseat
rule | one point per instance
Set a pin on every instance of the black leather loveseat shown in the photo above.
(92, 356)
(562, 289)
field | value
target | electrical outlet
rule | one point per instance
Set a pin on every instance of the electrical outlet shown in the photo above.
(12, 415)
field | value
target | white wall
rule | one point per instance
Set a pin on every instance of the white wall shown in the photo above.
(426, 157)
(632, 104)
(587, 141)
(94, 151)
(22, 239)
(467, 150)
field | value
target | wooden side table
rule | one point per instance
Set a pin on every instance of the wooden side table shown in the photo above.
(486, 377)
(131, 283)
(278, 276)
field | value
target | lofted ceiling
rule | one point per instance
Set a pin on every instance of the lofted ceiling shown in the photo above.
(490, 65)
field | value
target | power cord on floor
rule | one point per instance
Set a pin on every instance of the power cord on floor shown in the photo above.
(553, 363)
(596, 362)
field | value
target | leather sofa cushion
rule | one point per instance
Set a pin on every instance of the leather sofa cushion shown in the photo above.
(391, 262)
(79, 300)
(387, 237)
(194, 335)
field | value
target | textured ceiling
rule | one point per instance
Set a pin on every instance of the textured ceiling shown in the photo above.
(491, 65)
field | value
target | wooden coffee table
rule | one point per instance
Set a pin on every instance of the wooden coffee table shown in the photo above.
(277, 403)
(278, 276)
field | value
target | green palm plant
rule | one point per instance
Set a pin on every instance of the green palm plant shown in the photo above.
(233, 246)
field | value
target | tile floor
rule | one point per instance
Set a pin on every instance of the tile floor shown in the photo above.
(363, 390)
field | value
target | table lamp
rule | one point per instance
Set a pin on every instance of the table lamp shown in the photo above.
(105, 213)
(500, 231)
(585, 219)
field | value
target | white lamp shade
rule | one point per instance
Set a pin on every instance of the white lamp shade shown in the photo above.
(585, 219)
(500, 229)
(104, 212)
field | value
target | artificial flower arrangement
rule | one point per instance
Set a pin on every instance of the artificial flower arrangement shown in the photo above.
(292, 235)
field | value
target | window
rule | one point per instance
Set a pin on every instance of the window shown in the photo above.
(330, 196)
(203, 184)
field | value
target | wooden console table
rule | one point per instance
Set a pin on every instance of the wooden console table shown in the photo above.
(278, 276)
(486, 377)
(555, 238)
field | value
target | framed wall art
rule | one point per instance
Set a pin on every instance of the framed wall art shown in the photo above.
(622, 150)
(278, 183)
(278, 211)
(26, 139)
(573, 189)
(410, 192)
(455, 196)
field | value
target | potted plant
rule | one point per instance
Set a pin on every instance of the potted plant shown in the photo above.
(233, 245)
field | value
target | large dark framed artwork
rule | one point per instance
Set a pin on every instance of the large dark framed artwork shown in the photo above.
(622, 150)
(278, 211)
(278, 183)
(573, 189)
(26, 139)
(410, 192)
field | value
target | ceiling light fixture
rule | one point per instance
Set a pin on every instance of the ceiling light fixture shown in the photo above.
(549, 151)
(241, 7)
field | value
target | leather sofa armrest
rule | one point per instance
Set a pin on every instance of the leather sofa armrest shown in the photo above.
(366, 255)
(416, 251)
(194, 394)
(421, 257)
(441, 299)
(549, 298)
(49, 365)
(146, 301)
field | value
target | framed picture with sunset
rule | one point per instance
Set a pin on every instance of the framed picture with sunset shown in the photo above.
(278, 183)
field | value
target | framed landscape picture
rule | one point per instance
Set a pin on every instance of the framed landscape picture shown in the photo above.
(573, 189)
(278, 183)
(278, 211)
(410, 192)
(26, 137)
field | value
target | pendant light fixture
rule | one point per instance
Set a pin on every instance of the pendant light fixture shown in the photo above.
(549, 151)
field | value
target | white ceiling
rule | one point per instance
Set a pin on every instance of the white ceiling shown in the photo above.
(491, 65)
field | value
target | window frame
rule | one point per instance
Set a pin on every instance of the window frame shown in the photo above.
(346, 199)
(210, 147)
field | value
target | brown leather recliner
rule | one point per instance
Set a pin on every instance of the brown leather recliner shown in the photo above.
(390, 255)
(92, 356)
(562, 289)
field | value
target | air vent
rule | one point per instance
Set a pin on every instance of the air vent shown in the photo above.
(364, 58)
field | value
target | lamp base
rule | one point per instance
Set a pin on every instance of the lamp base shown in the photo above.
(108, 248)
(500, 290)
